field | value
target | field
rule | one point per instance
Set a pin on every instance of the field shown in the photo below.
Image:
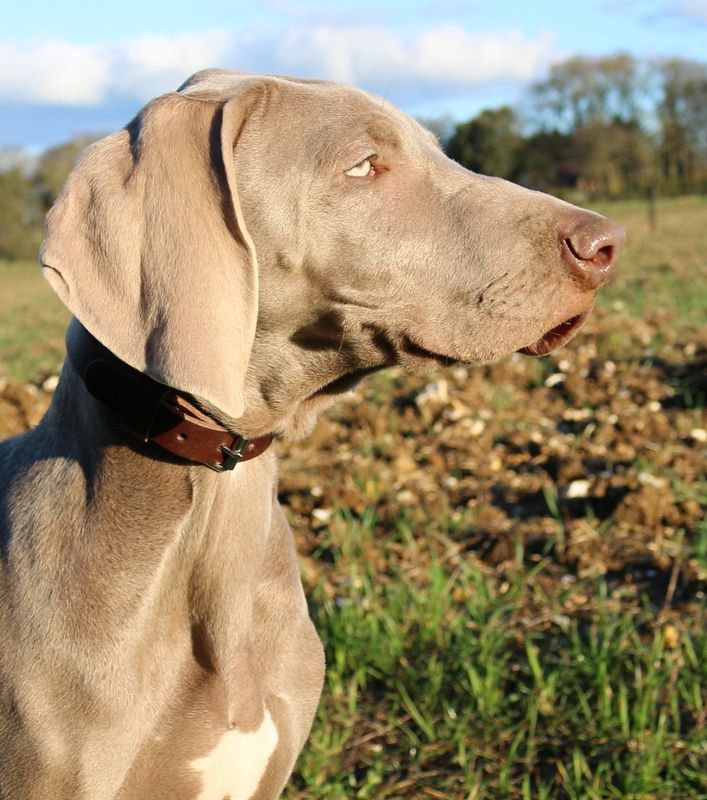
(507, 564)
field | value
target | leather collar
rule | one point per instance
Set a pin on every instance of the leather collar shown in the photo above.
(152, 412)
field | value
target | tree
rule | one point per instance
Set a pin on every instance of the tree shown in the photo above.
(582, 90)
(489, 143)
(54, 166)
(20, 216)
(547, 160)
(615, 159)
(682, 115)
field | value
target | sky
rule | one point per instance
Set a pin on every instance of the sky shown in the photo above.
(69, 68)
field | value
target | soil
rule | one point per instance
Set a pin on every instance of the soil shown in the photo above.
(591, 460)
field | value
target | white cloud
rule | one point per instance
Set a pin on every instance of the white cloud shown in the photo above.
(695, 9)
(43, 72)
(454, 55)
(52, 72)
(61, 73)
(148, 65)
(446, 54)
(349, 55)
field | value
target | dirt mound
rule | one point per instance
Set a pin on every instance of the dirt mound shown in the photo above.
(22, 405)
(591, 460)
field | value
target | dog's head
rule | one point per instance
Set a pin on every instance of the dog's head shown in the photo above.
(261, 242)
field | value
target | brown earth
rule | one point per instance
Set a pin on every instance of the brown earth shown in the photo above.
(592, 460)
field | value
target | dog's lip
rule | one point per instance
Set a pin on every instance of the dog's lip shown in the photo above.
(555, 337)
(412, 349)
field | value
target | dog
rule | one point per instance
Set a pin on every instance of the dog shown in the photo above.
(245, 250)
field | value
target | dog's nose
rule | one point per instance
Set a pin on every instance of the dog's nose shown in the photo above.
(590, 246)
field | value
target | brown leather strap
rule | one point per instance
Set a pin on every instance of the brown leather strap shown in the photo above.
(152, 412)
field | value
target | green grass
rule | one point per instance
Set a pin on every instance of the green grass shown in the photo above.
(662, 272)
(434, 682)
(32, 323)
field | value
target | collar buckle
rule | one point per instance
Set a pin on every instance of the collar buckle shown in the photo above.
(232, 456)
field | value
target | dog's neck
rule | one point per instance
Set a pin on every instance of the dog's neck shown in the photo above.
(299, 370)
(186, 534)
(153, 413)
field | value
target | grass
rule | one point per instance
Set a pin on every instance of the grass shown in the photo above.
(32, 323)
(436, 689)
(662, 272)
(449, 679)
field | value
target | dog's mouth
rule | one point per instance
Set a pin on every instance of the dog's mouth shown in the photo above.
(412, 355)
(559, 335)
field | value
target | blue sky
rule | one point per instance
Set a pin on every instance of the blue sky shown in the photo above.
(69, 68)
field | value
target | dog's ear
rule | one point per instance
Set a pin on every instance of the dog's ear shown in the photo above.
(147, 246)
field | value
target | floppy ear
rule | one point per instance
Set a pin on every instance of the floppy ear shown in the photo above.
(146, 245)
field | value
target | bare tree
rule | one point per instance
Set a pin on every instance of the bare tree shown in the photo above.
(682, 115)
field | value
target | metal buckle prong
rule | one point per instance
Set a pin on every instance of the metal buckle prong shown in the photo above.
(232, 455)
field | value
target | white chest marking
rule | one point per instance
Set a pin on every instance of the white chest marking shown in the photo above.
(235, 766)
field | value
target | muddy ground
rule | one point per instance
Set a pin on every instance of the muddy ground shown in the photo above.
(593, 459)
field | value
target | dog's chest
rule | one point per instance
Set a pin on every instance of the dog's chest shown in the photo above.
(235, 766)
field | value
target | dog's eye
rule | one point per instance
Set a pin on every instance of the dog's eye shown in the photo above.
(361, 170)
